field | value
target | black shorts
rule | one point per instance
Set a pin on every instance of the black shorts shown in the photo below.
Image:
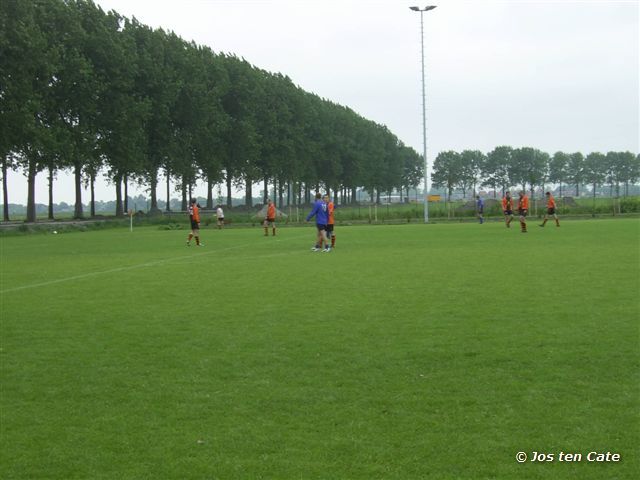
(551, 211)
(522, 212)
(270, 220)
(508, 212)
(321, 228)
(480, 211)
(329, 228)
(195, 225)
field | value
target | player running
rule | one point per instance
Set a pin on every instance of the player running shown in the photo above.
(507, 208)
(270, 219)
(551, 210)
(320, 212)
(523, 209)
(194, 217)
(331, 234)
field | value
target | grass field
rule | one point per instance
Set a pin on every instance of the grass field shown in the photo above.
(409, 352)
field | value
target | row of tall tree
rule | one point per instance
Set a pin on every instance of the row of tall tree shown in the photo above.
(527, 168)
(94, 93)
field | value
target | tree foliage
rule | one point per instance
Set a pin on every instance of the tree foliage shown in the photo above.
(90, 91)
(93, 92)
(528, 168)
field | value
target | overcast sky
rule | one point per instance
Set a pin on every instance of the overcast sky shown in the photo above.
(555, 75)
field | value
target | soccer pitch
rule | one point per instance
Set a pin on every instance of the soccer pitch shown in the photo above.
(409, 352)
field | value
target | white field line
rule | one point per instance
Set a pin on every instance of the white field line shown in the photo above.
(134, 267)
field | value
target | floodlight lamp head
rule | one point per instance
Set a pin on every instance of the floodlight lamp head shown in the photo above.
(425, 9)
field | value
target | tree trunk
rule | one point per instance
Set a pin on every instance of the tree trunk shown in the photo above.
(92, 182)
(5, 191)
(274, 196)
(125, 180)
(50, 216)
(577, 189)
(31, 192)
(249, 192)
(265, 191)
(77, 174)
(118, 185)
(183, 191)
(168, 209)
(229, 203)
(153, 181)
(209, 194)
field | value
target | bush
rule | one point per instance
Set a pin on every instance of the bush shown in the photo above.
(630, 205)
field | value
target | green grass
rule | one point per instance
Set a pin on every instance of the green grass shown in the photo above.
(409, 352)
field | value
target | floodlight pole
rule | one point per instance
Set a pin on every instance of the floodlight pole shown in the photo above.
(424, 110)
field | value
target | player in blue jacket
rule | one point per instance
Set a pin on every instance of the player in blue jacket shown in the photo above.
(320, 211)
(480, 209)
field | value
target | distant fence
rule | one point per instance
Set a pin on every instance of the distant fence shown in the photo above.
(459, 210)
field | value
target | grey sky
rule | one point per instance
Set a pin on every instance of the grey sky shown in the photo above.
(556, 75)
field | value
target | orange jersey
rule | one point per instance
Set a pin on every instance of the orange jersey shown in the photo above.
(523, 203)
(551, 203)
(330, 209)
(194, 213)
(507, 203)
(271, 211)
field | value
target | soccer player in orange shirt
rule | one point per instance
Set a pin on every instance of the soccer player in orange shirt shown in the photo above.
(507, 208)
(331, 223)
(523, 209)
(551, 210)
(270, 219)
(194, 217)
